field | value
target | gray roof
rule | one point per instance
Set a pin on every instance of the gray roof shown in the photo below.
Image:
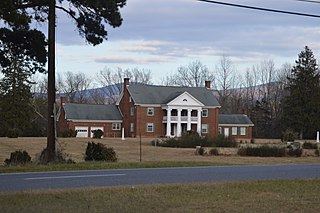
(91, 112)
(149, 94)
(237, 119)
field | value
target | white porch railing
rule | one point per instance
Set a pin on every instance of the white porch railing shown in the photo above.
(183, 118)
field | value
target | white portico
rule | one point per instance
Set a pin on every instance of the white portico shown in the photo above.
(182, 114)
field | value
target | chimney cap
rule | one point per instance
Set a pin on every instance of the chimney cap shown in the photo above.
(207, 84)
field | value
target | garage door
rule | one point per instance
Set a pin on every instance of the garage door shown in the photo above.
(96, 128)
(82, 131)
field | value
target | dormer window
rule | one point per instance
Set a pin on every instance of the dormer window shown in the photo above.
(185, 100)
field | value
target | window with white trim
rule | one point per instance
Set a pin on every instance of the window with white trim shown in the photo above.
(132, 111)
(204, 128)
(243, 130)
(150, 127)
(234, 130)
(150, 111)
(205, 113)
(131, 127)
(116, 126)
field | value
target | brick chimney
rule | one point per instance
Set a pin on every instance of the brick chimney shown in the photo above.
(62, 100)
(207, 84)
(126, 82)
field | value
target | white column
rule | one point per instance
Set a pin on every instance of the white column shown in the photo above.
(168, 122)
(179, 123)
(189, 120)
(199, 121)
(122, 134)
(317, 136)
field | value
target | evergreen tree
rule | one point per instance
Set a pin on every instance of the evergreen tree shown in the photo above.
(301, 107)
(15, 96)
(91, 18)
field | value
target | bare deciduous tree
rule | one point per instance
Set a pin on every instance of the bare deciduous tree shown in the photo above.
(224, 81)
(193, 75)
(75, 86)
(112, 81)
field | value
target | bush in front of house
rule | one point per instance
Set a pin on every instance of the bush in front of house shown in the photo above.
(220, 140)
(97, 134)
(201, 151)
(294, 152)
(13, 133)
(214, 151)
(309, 145)
(190, 139)
(262, 151)
(18, 158)
(288, 136)
(60, 157)
(99, 152)
(68, 134)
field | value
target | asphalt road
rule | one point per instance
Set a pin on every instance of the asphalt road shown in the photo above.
(95, 178)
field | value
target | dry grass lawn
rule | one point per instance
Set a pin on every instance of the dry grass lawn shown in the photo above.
(254, 196)
(129, 151)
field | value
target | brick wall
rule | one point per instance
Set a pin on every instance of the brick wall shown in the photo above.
(212, 120)
(247, 137)
(142, 119)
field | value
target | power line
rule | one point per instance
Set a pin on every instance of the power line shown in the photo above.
(262, 9)
(309, 1)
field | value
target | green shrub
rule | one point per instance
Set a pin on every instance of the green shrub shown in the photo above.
(13, 133)
(294, 152)
(288, 136)
(68, 134)
(214, 151)
(242, 151)
(262, 151)
(190, 139)
(97, 133)
(60, 157)
(220, 140)
(309, 145)
(201, 151)
(99, 152)
(18, 157)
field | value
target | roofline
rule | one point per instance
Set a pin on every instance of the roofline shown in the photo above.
(236, 125)
(95, 121)
(148, 105)
(128, 86)
(119, 99)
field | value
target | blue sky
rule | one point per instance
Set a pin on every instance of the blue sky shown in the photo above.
(162, 35)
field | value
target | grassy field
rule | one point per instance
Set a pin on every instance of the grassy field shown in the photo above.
(253, 196)
(256, 196)
(128, 151)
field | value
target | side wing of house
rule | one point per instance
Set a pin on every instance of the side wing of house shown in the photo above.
(85, 118)
(237, 126)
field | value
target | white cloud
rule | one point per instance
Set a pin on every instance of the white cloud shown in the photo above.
(122, 59)
(173, 32)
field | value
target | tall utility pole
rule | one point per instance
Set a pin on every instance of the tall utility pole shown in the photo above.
(51, 81)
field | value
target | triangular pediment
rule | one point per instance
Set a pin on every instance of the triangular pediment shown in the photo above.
(185, 99)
